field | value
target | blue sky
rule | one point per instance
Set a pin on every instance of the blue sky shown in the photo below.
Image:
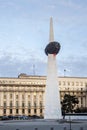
(24, 33)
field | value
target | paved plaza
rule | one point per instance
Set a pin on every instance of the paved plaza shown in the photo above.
(42, 125)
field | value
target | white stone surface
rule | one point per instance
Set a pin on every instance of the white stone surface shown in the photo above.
(52, 96)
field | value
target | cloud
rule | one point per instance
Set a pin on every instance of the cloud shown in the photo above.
(51, 6)
(12, 64)
(74, 66)
(84, 45)
(71, 4)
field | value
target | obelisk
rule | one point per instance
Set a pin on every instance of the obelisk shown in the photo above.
(52, 94)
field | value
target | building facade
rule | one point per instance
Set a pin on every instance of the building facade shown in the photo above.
(25, 95)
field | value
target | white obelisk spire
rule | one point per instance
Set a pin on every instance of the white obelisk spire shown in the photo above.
(51, 36)
(52, 95)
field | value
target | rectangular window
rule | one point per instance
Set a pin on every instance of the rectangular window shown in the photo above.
(17, 111)
(10, 111)
(29, 111)
(17, 104)
(86, 84)
(10, 96)
(23, 111)
(72, 83)
(22, 96)
(81, 83)
(4, 104)
(4, 111)
(11, 104)
(28, 97)
(81, 100)
(81, 89)
(40, 104)
(35, 111)
(4, 96)
(35, 104)
(29, 104)
(77, 83)
(63, 82)
(40, 110)
(68, 83)
(23, 104)
(16, 96)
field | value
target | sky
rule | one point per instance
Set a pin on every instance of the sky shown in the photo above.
(24, 34)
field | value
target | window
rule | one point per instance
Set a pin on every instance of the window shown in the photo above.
(34, 97)
(63, 82)
(10, 111)
(11, 96)
(29, 104)
(41, 111)
(4, 104)
(17, 104)
(81, 100)
(23, 104)
(4, 111)
(81, 83)
(17, 111)
(86, 84)
(22, 96)
(35, 104)
(29, 110)
(77, 83)
(35, 111)
(4, 96)
(72, 83)
(81, 89)
(28, 97)
(40, 104)
(68, 83)
(23, 111)
(11, 104)
(16, 96)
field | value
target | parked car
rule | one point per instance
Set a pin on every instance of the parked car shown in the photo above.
(5, 118)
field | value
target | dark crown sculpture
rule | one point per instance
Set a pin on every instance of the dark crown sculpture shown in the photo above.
(52, 48)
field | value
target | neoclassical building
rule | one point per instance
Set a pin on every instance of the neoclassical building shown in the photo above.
(25, 95)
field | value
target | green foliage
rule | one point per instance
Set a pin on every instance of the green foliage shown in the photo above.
(68, 103)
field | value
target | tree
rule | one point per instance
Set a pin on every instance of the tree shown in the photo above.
(68, 103)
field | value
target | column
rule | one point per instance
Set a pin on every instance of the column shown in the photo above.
(32, 104)
(26, 103)
(38, 104)
(14, 103)
(20, 103)
(8, 103)
(1, 103)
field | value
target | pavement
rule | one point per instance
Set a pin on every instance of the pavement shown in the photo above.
(41, 124)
